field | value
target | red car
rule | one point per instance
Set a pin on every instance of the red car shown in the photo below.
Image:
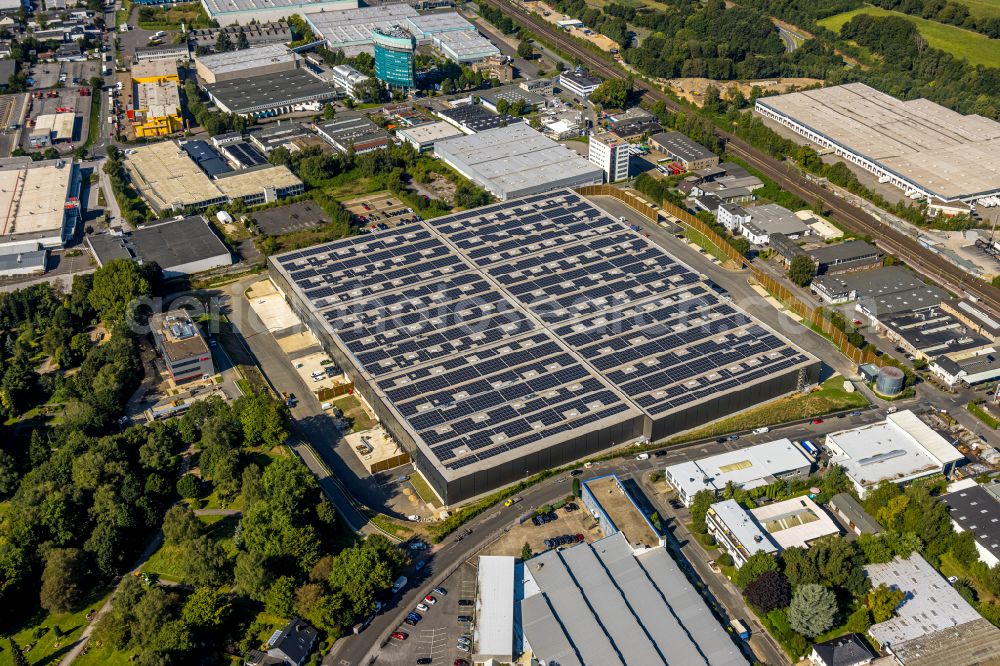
(460, 662)
(579, 538)
(400, 635)
(817, 421)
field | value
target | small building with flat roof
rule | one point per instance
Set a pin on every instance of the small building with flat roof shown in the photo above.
(578, 83)
(495, 609)
(796, 522)
(155, 71)
(853, 515)
(981, 366)
(770, 219)
(464, 46)
(852, 255)
(614, 509)
(900, 449)
(424, 137)
(181, 345)
(933, 625)
(752, 467)
(737, 532)
(685, 151)
(512, 94)
(977, 510)
(345, 132)
(19, 263)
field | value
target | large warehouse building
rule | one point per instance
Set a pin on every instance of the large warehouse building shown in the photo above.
(351, 30)
(40, 202)
(255, 61)
(242, 12)
(517, 337)
(516, 160)
(919, 146)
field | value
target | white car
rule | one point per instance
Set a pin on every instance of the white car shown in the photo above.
(642, 456)
(423, 608)
(761, 431)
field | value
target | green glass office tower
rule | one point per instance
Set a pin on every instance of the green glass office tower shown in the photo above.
(395, 48)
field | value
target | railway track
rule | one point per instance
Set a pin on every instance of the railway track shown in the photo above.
(852, 217)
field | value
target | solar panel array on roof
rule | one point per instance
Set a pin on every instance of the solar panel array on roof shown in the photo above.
(527, 321)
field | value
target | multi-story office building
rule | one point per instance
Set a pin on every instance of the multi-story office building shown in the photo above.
(611, 153)
(182, 346)
(395, 49)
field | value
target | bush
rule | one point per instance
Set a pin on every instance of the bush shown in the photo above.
(725, 560)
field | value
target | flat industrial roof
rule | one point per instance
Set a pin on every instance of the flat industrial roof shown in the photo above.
(602, 604)
(33, 199)
(567, 303)
(245, 182)
(509, 160)
(465, 45)
(512, 93)
(609, 492)
(60, 124)
(217, 7)
(838, 253)
(242, 59)
(747, 468)
(871, 283)
(165, 174)
(682, 146)
(474, 118)
(495, 600)
(977, 510)
(159, 100)
(178, 335)
(775, 219)
(901, 447)
(431, 132)
(170, 244)
(353, 27)
(934, 331)
(345, 131)
(154, 68)
(934, 624)
(942, 151)
(244, 95)
(796, 522)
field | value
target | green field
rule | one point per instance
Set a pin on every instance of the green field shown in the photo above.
(982, 8)
(971, 46)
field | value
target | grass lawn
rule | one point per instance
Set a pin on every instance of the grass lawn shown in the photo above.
(949, 567)
(971, 46)
(37, 633)
(831, 397)
(982, 8)
(352, 409)
(424, 489)
(701, 240)
(190, 14)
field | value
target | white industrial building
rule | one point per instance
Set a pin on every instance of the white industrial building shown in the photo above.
(976, 509)
(245, 63)
(579, 83)
(610, 152)
(768, 219)
(425, 137)
(924, 149)
(933, 625)
(347, 79)
(242, 12)
(495, 608)
(515, 161)
(22, 260)
(737, 533)
(351, 29)
(752, 467)
(900, 449)
(464, 46)
(39, 202)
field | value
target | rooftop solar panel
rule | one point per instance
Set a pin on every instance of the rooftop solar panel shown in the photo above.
(501, 327)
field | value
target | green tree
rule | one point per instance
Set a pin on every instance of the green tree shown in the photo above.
(223, 42)
(801, 270)
(882, 601)
(204, 562)
(328, 111)
(768, 591)
(242, 42)
(264, 420)
(525, 50)
(503, 106)
(64, 579)
(699, 509)
(253, 576)
(17, 655)
(362, 571)
(526, 551)
(181, 525)
(280, 599)
(189, 486)
(577, 487)
(116, 287)
(206, 608)
(812, 610)
(756, 564)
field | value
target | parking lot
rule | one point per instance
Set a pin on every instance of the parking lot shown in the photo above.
(60, 100)
(385, 208)
(435, 636)
(299, 216)
(568, 522)
(46, 74)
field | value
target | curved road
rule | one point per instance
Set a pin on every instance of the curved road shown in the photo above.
(787, 175)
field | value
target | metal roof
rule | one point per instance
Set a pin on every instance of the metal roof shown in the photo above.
(977, 510)
(747, 468)
(601, 603)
